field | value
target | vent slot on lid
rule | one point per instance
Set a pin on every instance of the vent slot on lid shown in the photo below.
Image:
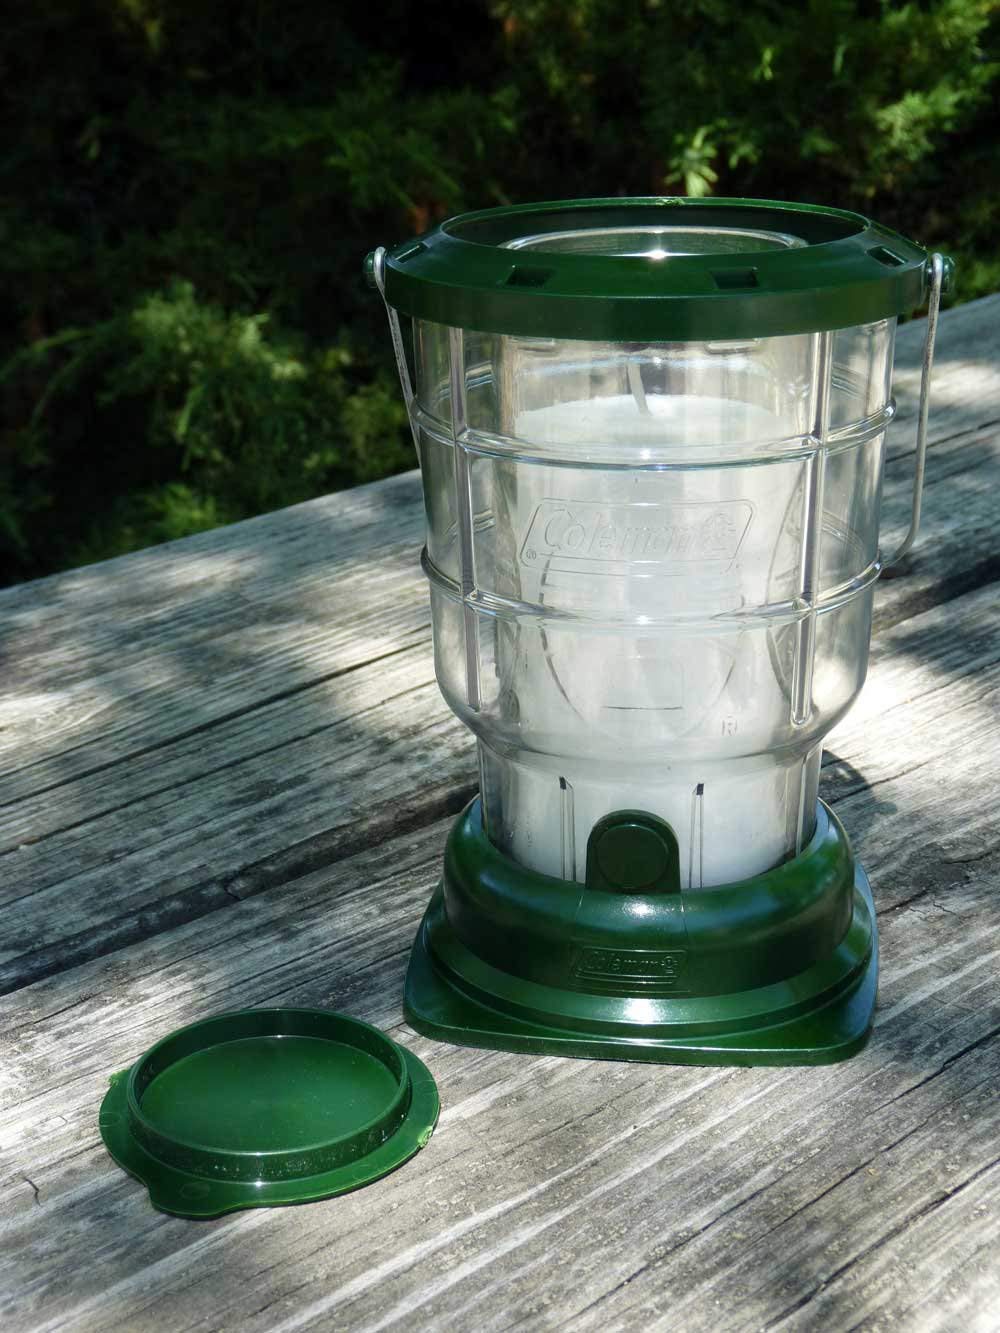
(735, 279)
(522, 275)
(886, 257)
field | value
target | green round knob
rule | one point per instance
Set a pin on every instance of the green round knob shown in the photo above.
(632, 856)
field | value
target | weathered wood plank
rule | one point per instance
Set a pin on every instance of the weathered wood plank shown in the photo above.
(558, 1193)
(665, 1174)
(112, 660)
(261, 701)
(295, 786)
(927, 714)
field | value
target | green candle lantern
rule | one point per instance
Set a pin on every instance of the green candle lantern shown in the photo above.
(652, 434)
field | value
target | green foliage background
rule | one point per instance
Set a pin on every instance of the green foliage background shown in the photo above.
(187, 191)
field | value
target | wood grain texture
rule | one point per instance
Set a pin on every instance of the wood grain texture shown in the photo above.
(226, 780)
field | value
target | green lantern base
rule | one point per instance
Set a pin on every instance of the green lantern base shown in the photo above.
(780, 969)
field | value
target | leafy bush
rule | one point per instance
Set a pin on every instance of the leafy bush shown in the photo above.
(187, 191)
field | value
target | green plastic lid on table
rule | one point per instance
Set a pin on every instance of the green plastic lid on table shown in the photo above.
(267, 1106)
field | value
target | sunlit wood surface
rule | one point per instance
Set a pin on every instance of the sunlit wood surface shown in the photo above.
(227, 776)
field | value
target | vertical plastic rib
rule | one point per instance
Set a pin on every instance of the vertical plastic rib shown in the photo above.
(568, 831)
(696, 879)
(463, 505)
(805, 819)
(812, 538)
(483, 789)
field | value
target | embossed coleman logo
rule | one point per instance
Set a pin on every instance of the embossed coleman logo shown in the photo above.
(564, 532)
(633, 964)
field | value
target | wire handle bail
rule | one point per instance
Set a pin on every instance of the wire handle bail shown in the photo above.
(376, 268)
(938, 268)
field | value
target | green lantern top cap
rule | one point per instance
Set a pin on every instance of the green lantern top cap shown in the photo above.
(657, 269)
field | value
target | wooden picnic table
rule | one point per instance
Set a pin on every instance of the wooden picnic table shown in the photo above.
(227, 780)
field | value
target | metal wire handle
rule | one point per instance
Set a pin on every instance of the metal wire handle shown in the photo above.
(378, 273)
(933, 306)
